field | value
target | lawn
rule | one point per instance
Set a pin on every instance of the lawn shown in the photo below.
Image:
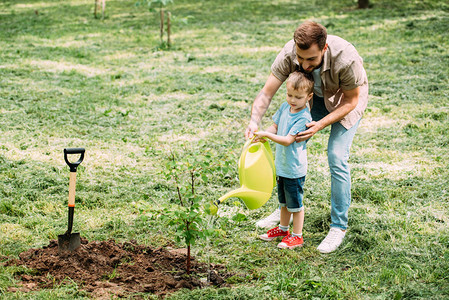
(110, 86)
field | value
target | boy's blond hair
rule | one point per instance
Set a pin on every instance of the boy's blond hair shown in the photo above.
(301, 81)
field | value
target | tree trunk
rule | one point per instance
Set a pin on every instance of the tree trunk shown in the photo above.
(169, 32)
(162, 23)
(188, 259)
(103, 7)
(363, 4)
(97, 7)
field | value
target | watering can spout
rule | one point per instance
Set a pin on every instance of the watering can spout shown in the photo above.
(253, 199)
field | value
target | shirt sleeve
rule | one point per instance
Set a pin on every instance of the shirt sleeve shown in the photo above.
(283, 65)
(298, 127)
(352, 75)
(277, 116)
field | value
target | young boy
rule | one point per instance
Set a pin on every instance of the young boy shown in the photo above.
(291, 158)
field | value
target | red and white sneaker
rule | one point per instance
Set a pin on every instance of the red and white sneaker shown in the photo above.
(273, 233)
(291, 242)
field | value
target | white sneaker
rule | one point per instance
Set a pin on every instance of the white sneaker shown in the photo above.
(333, 239)
(272, 220)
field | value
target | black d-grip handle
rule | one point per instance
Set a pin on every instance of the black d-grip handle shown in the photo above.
(74, 165)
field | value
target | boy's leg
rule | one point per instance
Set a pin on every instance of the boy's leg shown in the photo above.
(295, 203)
(293, 195)
(274, 218)
(285, 216)
(298, 222)
(277, 231)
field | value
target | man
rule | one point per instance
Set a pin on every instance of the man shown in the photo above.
(340, 98)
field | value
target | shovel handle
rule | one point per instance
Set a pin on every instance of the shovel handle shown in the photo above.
(74, 165)
(72, 185)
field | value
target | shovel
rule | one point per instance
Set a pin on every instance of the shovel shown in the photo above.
(70, 241)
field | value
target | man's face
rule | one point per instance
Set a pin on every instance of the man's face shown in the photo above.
(311, 58)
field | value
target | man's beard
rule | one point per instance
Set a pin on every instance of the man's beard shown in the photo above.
(305, 71)
(314, 68)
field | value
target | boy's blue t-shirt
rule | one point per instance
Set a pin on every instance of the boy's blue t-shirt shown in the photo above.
(291, 161)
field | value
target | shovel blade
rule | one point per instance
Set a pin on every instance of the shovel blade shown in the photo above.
(68, 242)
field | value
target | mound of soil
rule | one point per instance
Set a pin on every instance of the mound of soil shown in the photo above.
(105, 268)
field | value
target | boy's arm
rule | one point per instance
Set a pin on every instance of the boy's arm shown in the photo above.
(282, 140)
(273, 129)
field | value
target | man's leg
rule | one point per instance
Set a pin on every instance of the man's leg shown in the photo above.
(340, 141)
(339, 144)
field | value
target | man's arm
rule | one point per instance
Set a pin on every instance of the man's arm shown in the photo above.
(261, 103)
(348, 103)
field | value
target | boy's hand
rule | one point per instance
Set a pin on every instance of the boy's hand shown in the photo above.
(259, 136)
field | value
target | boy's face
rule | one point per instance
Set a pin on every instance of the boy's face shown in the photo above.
(297, 99)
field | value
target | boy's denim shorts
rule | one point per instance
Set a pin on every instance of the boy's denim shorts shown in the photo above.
(290, 193)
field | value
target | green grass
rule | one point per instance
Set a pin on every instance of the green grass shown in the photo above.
(69, 80)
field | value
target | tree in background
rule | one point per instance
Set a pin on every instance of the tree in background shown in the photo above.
(161, 4)
(363, 3)
(97, 7)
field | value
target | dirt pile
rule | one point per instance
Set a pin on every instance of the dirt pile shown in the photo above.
(105, 268)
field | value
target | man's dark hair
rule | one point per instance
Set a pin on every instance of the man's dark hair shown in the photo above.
(309, 33)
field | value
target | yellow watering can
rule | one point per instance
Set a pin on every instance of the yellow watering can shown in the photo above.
(257, 176)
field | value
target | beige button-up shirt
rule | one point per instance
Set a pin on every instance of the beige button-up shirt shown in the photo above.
(342, 69)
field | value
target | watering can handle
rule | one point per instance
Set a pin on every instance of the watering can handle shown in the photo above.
(248, 142)
(242, 157)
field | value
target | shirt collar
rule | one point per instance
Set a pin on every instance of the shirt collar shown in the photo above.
(326, 61)
(295, 59)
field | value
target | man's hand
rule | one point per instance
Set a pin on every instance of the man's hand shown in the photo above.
(249, 132)
(312, 128)
(348, 103)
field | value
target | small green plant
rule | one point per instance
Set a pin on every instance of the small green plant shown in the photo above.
(186, 214)
(112, 275)
(188, 171)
